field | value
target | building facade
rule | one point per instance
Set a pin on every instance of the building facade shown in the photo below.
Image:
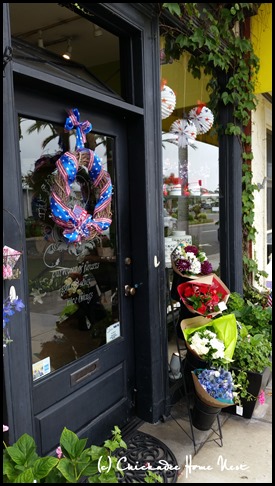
(89, 349)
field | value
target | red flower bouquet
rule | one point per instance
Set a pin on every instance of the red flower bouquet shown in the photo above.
(206, 296)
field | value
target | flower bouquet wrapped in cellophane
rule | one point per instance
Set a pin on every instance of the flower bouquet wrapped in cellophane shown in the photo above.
(211, 340)
(206, 296)
(215, 388)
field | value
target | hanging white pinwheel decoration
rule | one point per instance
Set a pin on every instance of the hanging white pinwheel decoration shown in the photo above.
(185, 130)
(202, 117)
(168, 101)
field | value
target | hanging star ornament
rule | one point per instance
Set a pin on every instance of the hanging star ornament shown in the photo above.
(185, 130)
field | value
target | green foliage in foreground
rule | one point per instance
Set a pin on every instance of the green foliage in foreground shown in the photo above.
(21, 463)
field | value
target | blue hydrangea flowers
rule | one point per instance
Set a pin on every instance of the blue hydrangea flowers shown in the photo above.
(218, 384)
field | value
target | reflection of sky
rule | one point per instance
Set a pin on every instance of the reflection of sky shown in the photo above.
(31, 146)
(203, 163)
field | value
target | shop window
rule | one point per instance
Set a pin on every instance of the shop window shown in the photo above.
(191, 168)
(73, 299)
(190, 173)
(81, 43)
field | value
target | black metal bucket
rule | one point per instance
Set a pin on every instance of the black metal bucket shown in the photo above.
(203, 415)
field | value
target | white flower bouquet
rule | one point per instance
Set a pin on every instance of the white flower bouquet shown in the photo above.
(211, 340)
(206, 344)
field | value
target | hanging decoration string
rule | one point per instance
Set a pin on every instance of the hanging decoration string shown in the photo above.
(184, 128)
(184, 82)
(202, 84)
(200, 115)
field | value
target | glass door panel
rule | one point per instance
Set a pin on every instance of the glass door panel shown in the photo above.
(73, 287)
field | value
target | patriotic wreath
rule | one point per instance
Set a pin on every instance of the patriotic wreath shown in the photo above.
(78, 224)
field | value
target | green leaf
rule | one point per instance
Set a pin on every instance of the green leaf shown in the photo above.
(198, 37)
(109, 477)
(173, 8)
(8, 467)
(43, 466)
(225, 97)
(182, 41)
(25, 477)
(257, 338)
(66, 468)
(91, 469)
(23, 451)
(96, 452)
(70, 444)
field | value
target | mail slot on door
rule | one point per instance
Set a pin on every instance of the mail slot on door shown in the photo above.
(84, 372)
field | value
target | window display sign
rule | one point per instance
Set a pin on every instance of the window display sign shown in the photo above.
(113, 332)
(41, 368)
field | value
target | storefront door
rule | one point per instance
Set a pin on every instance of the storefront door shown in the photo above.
(80, 295)
(89, 350)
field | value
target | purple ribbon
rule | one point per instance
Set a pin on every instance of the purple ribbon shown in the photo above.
(73, 121)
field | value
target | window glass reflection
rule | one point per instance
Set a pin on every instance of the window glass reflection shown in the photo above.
(73, 299)
(191, 195)
(76, 41)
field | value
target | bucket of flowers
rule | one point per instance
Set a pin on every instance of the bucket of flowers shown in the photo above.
(189, 263)
(214, 390)
(209, 342)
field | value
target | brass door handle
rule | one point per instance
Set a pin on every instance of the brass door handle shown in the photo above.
(129, 290)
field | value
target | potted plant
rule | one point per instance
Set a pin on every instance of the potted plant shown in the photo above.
(252, 356)
(252, 369)
(75, 463)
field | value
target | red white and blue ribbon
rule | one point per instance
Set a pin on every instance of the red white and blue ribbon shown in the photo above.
(77, 222)
(73, 121)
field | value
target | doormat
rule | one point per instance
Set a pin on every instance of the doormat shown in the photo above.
(145, 452)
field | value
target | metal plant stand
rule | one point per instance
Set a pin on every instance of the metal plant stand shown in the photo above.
(189, 394)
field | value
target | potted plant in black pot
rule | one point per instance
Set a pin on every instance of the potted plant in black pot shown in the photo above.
(252, 356)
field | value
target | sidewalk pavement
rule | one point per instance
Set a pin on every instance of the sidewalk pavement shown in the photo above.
(244, 456)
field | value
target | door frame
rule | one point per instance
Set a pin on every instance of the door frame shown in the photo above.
(146, 232)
